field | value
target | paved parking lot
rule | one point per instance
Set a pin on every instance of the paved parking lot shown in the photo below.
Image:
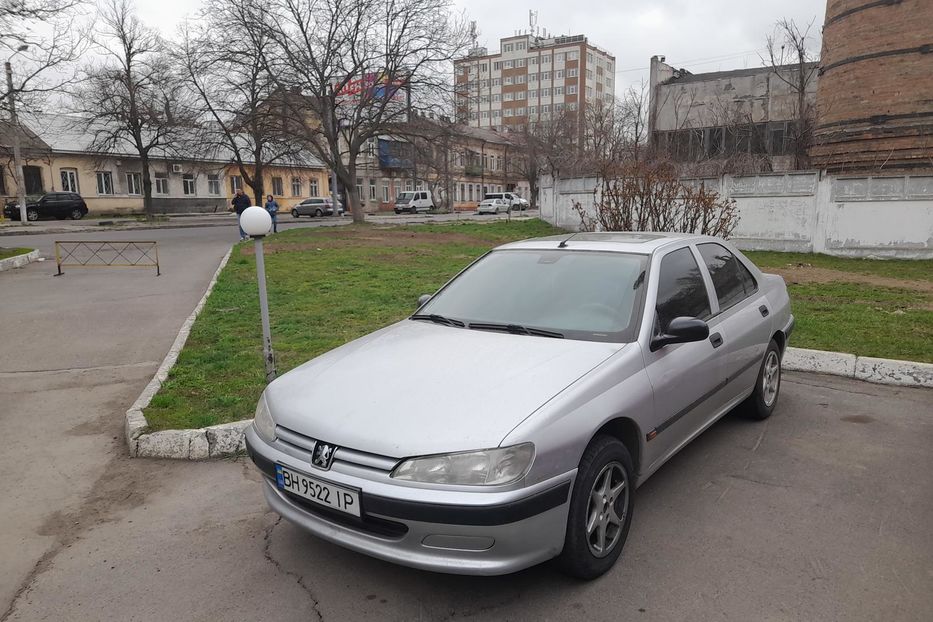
(820, 513)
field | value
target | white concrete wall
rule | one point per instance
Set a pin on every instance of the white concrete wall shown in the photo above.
(805, 212)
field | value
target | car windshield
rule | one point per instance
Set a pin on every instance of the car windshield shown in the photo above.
(594, 296)
(405, 197)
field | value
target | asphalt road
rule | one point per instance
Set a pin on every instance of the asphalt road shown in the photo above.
(820, 513)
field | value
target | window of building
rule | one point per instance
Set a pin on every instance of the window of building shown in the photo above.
(559, 58)
(545, 92)
(483, 67)
(485, 114)
(559, 74)
(520, 62)
(483, 83)
(236, 183)
(520, 95)
(681, 290)
(532, 60)
(572, 73)
(313, 189)
(104, 182)
(507, 47)
(573, 55)
(409, 185)
(545, 75)
(589, 74)
(731, 279)
(519, 79)
(508, 80)
(589, 91)
(462, 195)
(558, 107)
(533, 94)
(161, 183)
(571, 90)
(532, 110)
(520, 45)
(2, 183)
(213, 184)
(278, 186)
(496, 97)
(532, 77)
(372, 189)
(509, 97)
(508, 64)
(497, 81)
(546, 108)
(385, 190)
(507, 112)
(589, 58)
(496, 113)
(496, 66)
(545, 60)
(519, 112)
(188, 184)
(572, 106)
(69, 180)
(398, 187)
(558, 90)
(134, 183)
(470, 191)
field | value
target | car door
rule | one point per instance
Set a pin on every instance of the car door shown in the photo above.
(685, 377)
(742, 318)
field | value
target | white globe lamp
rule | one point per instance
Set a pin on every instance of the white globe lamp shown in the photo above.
(256, 221)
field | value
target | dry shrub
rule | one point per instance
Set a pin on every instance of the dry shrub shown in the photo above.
(650, 196)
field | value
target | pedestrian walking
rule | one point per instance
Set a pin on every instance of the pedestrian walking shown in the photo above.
(240, 203)
(273, 208)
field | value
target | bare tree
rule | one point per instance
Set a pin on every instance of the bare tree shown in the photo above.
(131, 98)
(792, 62)
(359, 67)
(241, 112)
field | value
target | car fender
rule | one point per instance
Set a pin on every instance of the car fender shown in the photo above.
(562, 428)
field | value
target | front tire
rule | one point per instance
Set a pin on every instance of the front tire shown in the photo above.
(294, 213)
(32, 215)
(761, 403)
(601, 509)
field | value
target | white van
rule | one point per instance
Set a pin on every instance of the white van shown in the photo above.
(515, 201)
(417, 201)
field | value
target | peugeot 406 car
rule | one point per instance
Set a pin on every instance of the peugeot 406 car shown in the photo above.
(511, 418)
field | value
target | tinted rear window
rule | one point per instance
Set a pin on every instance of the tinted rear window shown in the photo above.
(731, 280)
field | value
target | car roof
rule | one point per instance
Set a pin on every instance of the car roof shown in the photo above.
(643, 242)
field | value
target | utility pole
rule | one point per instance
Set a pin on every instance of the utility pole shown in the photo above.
(17, 155)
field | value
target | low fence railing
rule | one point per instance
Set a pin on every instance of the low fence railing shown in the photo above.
(96, 254)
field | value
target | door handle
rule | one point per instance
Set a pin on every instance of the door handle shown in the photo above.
(763, 310)
(715, 339)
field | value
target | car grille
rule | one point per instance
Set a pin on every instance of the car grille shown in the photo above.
(301, 446)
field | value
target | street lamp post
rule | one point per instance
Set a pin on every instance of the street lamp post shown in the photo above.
(17, 155)
(257, 223)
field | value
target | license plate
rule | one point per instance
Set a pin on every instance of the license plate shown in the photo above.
(318, 491)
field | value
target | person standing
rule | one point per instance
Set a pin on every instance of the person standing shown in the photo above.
(273, 208)
(240, 203)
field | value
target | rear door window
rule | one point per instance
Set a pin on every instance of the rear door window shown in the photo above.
(731, 280)
(681, 289)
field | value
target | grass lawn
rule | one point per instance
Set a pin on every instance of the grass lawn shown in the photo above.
(867, 307)
(328, 286)
(6, 253)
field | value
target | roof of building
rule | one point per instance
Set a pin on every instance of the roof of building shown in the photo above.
(683, 76)
(73, 134)
(29, 141)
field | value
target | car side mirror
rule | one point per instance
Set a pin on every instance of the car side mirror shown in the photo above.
(422, 299)
(681, 330)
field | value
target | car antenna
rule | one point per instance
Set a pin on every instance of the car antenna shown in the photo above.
(563, 243)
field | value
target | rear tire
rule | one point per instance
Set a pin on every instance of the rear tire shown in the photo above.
(601, 508)
(764, 398)
(77, 214)
(319, 212)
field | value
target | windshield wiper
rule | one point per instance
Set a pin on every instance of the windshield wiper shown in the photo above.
(438, 319)
(515, 329)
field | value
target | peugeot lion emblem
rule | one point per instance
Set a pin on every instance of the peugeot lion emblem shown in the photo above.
(323, 455)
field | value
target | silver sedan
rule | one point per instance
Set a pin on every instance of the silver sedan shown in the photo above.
(512, 417)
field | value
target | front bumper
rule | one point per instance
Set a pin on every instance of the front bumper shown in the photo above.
(482, 532)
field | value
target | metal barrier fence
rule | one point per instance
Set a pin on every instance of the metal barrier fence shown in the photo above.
(133, 254)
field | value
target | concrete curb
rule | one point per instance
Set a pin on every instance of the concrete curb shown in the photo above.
(866, 368)
(211, 442)
(18, 261)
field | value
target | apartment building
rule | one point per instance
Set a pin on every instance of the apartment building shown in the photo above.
(531, 79)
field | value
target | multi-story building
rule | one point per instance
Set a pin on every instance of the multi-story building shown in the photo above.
(531, 79)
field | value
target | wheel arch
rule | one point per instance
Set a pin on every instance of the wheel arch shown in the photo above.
(781, 340)
(628, 432)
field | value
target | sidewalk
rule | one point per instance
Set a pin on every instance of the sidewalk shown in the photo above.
(169, 221)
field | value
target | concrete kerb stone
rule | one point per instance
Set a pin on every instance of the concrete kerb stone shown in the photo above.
(18, 261)
(211, 442)
(866, 368)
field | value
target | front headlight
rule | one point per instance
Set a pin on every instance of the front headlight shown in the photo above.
(488, 467)
(265, 426)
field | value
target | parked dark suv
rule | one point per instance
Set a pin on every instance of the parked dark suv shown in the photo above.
(54, 204)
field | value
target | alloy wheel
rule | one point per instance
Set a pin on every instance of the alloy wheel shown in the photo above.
(771, 378)
(605, 514)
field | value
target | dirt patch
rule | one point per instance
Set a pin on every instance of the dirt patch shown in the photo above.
(805, 274)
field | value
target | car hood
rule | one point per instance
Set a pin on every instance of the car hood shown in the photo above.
(417, 388)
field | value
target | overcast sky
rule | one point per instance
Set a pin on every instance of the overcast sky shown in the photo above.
(699, 35)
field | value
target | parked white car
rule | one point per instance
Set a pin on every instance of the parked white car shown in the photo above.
(514, 201)
(493, 206)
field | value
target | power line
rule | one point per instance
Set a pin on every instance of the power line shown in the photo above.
(700, 61)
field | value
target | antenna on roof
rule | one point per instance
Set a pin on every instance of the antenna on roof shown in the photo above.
(532, 20)
(563, 243)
